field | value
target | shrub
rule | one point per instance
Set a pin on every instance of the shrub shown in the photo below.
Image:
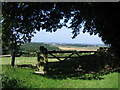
(106, 57)
(8, 82)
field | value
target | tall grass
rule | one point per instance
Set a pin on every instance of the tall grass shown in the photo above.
(22, 78)
(18, 77)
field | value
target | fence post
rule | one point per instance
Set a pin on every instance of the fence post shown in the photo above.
(38, 56)
(13, 59)
(14, 42)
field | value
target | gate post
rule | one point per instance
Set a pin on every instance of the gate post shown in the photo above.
(38, 56)
(14, 42)
(42, 58)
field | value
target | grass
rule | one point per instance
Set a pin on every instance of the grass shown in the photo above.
(22, 60)
(19, 60)
(30, 80)
(25, 78)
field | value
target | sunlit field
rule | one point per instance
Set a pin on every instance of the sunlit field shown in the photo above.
(78, 48)
(20, 77)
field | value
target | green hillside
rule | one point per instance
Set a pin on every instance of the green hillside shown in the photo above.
(34, 46)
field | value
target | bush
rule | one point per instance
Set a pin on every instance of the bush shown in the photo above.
(8, 82)
(106, 57)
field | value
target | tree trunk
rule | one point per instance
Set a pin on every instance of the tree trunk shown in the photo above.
(14, 50)
(13, 58)
(38, 56)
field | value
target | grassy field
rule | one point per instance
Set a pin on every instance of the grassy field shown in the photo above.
(19, 77)
(77, 48)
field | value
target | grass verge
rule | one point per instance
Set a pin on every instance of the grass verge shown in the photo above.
(25, 78)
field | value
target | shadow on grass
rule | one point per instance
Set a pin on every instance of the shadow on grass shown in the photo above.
(87, 67)
(27, 66)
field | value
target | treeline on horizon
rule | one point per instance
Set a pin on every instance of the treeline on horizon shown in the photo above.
(34, 47)
(80, 45)
(30, 49)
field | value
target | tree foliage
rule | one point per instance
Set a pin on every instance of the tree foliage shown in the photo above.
(23, 19)
(33, 47)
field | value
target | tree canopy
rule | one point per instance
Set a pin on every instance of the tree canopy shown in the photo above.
(23, 19)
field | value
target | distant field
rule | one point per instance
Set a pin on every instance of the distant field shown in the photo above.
(78, 48)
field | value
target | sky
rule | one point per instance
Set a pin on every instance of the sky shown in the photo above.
(64, 35)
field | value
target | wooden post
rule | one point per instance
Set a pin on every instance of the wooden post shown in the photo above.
(14, 49)
(46, 57)
(13, 59)
(38, 56)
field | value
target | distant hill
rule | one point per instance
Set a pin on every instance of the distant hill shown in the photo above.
(76, 44)
(80, 45)
(34, 46)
